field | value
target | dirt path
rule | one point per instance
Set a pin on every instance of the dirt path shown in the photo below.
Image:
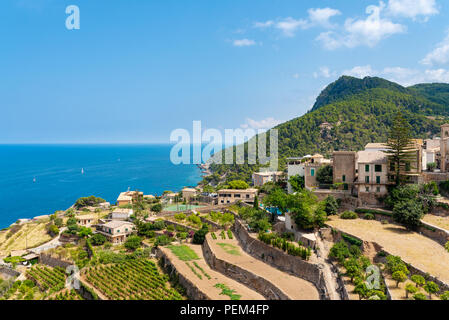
(205, 285)
(294, 287)
(412, 247)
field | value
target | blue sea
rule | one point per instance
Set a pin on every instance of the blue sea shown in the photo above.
(59, 181)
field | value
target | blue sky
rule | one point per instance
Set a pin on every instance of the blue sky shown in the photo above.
(136, 70)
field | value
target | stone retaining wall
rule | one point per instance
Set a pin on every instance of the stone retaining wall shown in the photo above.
(53, 262)
(280, 260)
(175, 224)
(9, 272)
(192, 291)
(435, 233)
(264, 287)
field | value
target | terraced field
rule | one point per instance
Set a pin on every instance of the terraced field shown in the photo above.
(296, 288)
(190, 263)
(33, 234)
(412, 247)
(132, 280)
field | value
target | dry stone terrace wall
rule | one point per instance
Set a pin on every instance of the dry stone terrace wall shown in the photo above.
(280, 260)
(53, 262)
(175, 224)
(259, 284)
(8, 272)
(435, 233)
(192, 291)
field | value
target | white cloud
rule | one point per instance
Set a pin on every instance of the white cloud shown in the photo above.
(404, 76)
(289, 26)
(321, 16)
(296, 76)
(323, 72)
(264, 124)
(412, 8)
(439, 55)
(360, 71)
(368, 32)
(263, 25)
(243, 43)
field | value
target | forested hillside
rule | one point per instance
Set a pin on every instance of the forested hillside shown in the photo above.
(352, 112)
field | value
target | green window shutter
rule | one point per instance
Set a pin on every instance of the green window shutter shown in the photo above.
(377, 179)
(366, 167)
(312, 172)
(378, 168)
(344, 178)
(367, 179)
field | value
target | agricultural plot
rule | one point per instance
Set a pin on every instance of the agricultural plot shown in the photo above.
(296, 288)
(189, 261)
(412, 247)
(67, 295)
(137, 279)
(47, 278)
(29, 235)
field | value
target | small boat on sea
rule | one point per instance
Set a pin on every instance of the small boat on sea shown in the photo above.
(82, 170)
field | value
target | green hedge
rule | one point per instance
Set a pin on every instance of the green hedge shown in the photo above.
(352, 240)
(373, 211)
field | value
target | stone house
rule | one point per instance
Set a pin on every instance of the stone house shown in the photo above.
(229, 196)
(116, 231)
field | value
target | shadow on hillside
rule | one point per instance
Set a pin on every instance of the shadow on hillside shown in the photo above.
(399, 230)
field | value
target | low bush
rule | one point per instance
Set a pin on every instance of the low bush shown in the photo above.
(369, 216)
(349, 215)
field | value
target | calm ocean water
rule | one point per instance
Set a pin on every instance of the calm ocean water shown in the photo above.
(108, 170)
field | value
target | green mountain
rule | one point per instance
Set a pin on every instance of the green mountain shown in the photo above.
(352, 112)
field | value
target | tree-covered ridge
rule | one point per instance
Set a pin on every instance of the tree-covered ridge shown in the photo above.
(359, 119)
(436, 92)
(346, 86)
(362, 112)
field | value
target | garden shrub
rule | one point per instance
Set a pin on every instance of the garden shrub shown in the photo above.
(349, 215)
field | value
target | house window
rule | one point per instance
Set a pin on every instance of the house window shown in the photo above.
(392, 167)
(378, 189)
(367, 189)
(344, 178)
(407, 167)
(367, 179)
(312, 172)
(378, 180)
(366, 167)
(378, 168)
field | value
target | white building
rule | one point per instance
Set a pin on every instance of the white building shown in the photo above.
(121, 214)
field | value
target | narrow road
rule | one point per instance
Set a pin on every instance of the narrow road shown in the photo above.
(53, 243)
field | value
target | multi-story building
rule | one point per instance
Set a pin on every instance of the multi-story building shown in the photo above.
(229, 196)
(128, 197)
(260, 178)
(86, 220)
(121, 214)
(344, 168)
(372, 176)
(116, 231)
(189, 193)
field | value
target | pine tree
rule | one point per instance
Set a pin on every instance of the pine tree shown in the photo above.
(400, 147)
